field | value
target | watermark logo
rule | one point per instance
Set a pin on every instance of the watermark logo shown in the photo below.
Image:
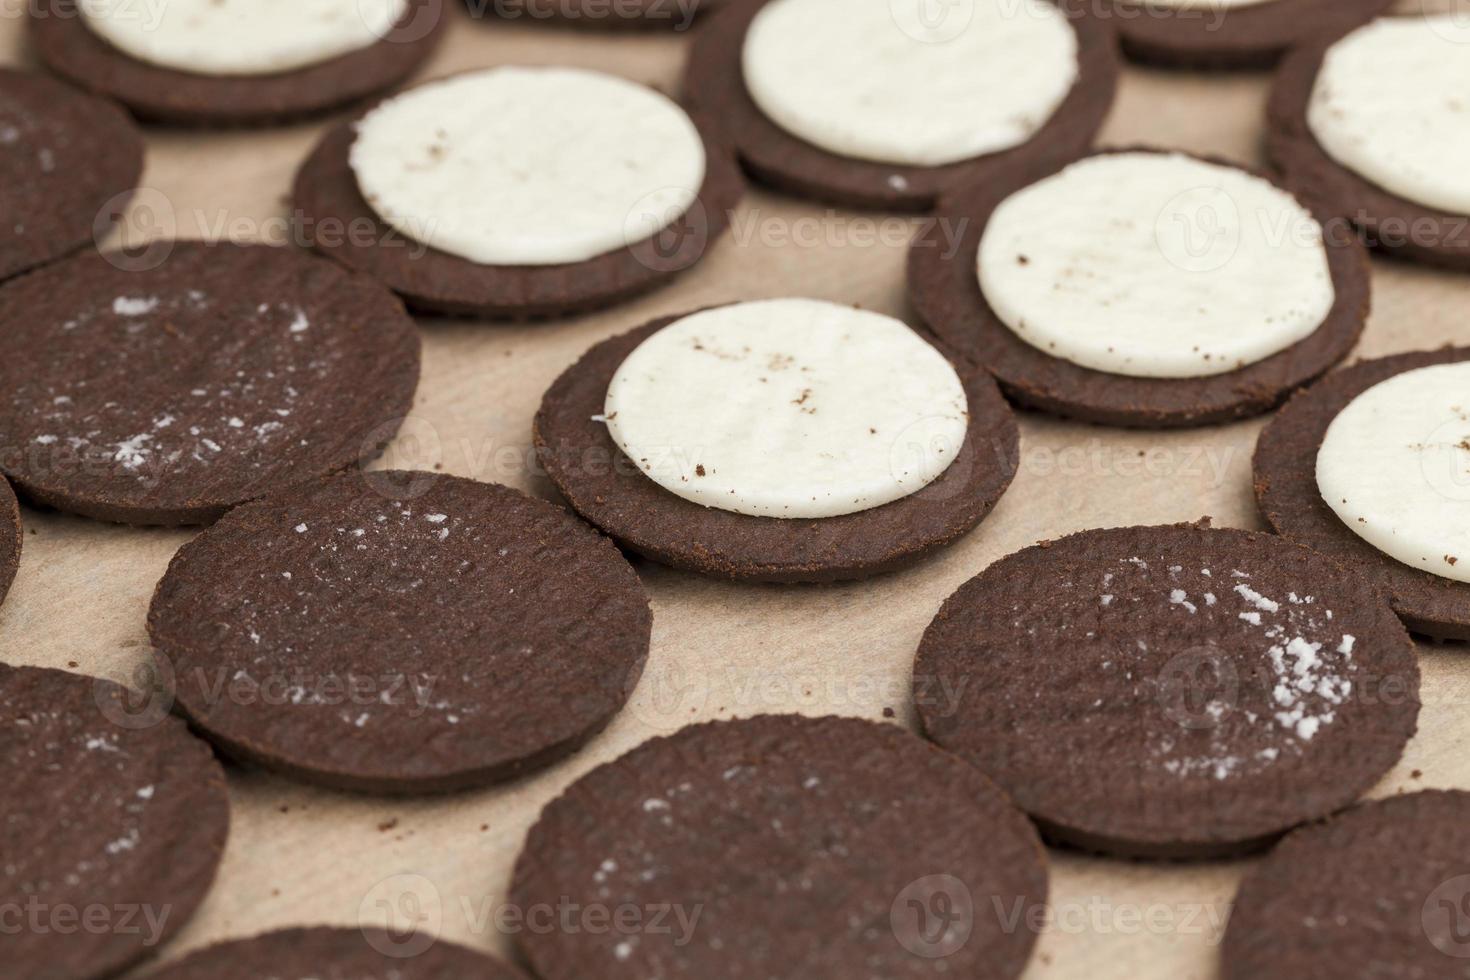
(401, 915)
(1199, 230)
(933, 917)
(1199, 688)
(933, 21)
(144, 703)
(1445, 458)
(663, 235)
(1446, 917)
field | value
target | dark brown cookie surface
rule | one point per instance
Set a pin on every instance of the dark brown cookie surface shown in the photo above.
(676, 15)
(609, 490)
(11, 535)
(70, 48)
(151, 392)
(68, 164)
(1286, 491)
(111, 819)
(1390, 223)
(712, 83)
(1380, 891)
(785, 846)
(328, 200)
(1250, 36)
(401, 632)
(1170, 691)
(322, 953)
(945, 290)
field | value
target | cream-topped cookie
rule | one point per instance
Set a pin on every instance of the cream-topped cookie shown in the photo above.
(1392, 104)
(908, 82)
(1395, 467)
(788, 408)
(1156, 265)
(529, 166)
(241, 37)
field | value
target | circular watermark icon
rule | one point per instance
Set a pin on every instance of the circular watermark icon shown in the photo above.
(670, 695)
(933, 21)
(1198, 230)
(145, 701)
(1445, 459)
(135, 230)
(1199, 688)
(664, 235)
(414, 24)
(933, 917)
(929, 445)
(411, 448)
(1446, 917)
(401, 915)
(1449, 19)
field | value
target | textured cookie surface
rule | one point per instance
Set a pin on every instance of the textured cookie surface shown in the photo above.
(110, 815)
(401, 632)
(165, 393)
(11, 535)
(68, 164)
(1170, 691)
(323, 953)
(608, 489)
(785, 846)
(1380, 891)
(1289, 498)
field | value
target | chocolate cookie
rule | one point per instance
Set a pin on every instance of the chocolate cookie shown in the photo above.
(112, 824)
(1392, 224)
(1250, 36)
(10, 537)
(610, 491)
(328, 201)
(1286, 491)
(400, 632)
(677, 15)
(1380, 891)
(713, 84)
(166, 387)
(1170, 692)
(68, 164)
(945, 291)
(327, 953)
(69, 47)
(784, 846)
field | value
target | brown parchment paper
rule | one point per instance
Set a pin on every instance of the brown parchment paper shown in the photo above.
(303, 856)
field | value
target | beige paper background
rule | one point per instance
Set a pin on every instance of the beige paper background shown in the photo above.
(301, 856)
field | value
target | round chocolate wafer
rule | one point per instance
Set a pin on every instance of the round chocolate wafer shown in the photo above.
(1170, 692)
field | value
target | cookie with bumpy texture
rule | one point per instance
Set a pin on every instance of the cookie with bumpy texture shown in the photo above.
(1380, 891)
(168, 384)
(400, 632)
(68, 165)
(785, 846)
(1170, 692)
(325, 953)
(111, 814)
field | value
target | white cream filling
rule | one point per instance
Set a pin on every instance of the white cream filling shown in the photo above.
(529, 166)
(910, 82)
(788, 408)
(1156, 266)
(241, 37)
(1392, 104)
(1395, 467)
